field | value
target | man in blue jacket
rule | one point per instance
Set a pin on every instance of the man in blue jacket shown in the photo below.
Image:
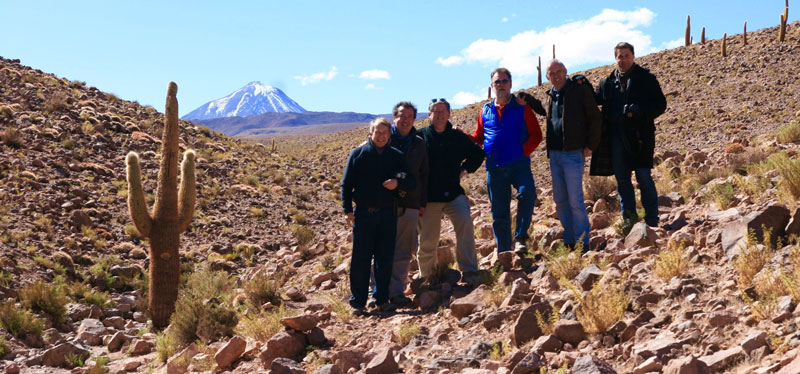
(509, 132)
(373, 173)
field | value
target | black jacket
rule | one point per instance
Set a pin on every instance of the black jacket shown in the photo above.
(449, 152)
(365, 172)
(581, 118)
(639, 130)
(417, 166)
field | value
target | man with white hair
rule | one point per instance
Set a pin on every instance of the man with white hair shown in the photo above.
(573, 131)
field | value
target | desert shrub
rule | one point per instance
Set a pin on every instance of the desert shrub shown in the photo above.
(671, 262)
(565, 263)
(303, 234)
(789, 186)
(789, 133)
(735, 148)
(11, 137)
(19, 321)
(752, 259)
(406, 331)
(75, 360)
(57, 103)
(263, 325)
(603, 306)
(497, 351)
(722, 194)
(46, 297)
(256, 212)
(300, 218)
(203, 310)
(166, 346)
(84, 294)
(546, 322)
(598, 187)
(3, 346)
(262, 289)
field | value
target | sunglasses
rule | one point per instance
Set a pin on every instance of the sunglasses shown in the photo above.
(502, 81)
(439, 100)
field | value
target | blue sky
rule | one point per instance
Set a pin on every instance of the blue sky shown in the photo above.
(361, 56)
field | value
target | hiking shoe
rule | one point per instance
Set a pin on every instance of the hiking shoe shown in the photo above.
(387, 307)
(400, 300)
(372, 304)
(358, 312)
(472, 278)
(520, 247)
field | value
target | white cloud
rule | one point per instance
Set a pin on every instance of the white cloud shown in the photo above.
(504, 19)
(578, 42)
(317, 77)
(374, 74)
(372, 86)
(465, 98)
(450, 61)
(671, 44)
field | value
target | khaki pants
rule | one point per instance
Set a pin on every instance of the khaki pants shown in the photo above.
(430, 229)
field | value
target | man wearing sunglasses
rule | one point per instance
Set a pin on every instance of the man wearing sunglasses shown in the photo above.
(451, 155)
(509, 133)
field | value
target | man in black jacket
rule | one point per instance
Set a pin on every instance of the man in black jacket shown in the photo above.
(573, 132)
(451, 155)
(631, 98)
(374, 172)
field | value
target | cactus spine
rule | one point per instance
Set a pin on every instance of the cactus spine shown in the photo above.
(172, 213)
(686, 36)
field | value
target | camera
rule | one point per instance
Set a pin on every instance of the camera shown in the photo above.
(630, 108)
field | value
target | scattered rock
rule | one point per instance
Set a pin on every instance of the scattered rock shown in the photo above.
(230, 352)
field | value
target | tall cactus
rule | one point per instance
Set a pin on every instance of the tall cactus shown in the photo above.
(171, 214)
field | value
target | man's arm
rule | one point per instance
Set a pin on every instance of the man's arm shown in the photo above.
(474, 156)
(598, 92)
(532, 102)
(347, 183)
(534, 132)
(424, 172)
(477, 136)
(593, 117)
(655, 102)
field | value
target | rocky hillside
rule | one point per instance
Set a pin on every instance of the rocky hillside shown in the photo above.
(264, 262)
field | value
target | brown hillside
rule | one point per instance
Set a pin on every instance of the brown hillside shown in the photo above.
(657, 300)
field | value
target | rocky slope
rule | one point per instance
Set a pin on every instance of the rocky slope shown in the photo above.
(688, 297)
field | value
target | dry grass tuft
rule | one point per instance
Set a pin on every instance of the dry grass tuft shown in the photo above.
(403, 335)
(752, 259)
(19, 321)
(789, 133)
(565, 263)
(47, 298)
(11, 137)
(671, 262)
(603, 306)
(598, 187)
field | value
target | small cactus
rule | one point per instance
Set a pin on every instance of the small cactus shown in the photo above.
(539, 72)
(687, 34)
(744, 34)
(703, 35)
(172, 213)
(554, 51)
(782, 28)
(724, 45)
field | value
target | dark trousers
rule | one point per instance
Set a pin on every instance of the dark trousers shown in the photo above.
(622, 172)
(374, 234)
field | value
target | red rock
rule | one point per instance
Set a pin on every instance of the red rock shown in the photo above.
(686, 365)
(569, 331)
(282, 344)
(302, 322)
(591, 365)
(525, 327)
(464, 306)
(383, 363)
(230, 352)
(722, 359)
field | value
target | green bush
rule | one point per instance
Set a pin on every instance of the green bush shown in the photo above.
(19, 321)
(203, 310)
(789, 133)
(47, 298)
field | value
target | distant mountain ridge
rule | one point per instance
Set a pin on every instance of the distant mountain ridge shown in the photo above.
(248, 126)
(252, 99)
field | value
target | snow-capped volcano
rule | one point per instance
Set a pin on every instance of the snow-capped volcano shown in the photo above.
(254, 98)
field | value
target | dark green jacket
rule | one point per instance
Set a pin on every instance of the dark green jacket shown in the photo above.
(581, 119)
(449, 153)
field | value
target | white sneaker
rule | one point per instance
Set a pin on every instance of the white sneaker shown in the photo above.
(520, 247)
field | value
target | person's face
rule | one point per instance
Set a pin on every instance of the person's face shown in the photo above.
(501, 84)
(624, 58)
(380, 135)
(439, 115)
(404, 120)
(557, 75)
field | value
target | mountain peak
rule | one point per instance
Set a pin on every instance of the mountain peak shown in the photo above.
(252, 99)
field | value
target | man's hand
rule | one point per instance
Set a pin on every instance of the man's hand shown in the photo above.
(350, 219)
(587, 152)
(390, 184)
(462, 175)
(421, 211)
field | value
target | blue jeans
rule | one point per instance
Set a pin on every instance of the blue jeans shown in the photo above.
(374, 233)
(566, 168)
(622, 172)
(499, 181)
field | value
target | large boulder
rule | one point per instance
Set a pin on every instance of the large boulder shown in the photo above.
(57, 356)
(466, 305)
(641, 235)
(592, 365)
(283, 345)
(526, 326)
(230, 352)
(773, 218)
